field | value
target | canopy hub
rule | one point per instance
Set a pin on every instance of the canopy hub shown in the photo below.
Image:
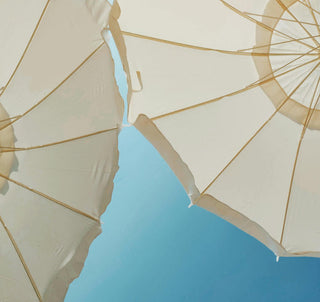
(290, 34)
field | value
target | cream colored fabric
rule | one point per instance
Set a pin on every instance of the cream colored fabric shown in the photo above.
(64, 113)
(227, 91)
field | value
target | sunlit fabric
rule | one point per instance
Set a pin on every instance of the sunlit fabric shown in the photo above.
(228, 92)
(60, 115)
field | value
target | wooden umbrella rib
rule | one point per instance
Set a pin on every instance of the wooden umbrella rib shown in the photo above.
(6, 149)
(229, 52)
(27, 47)
(50, 198)
(314, 10)
(279, 54)
(277, 18)
(25, 266)
(285, 8)
(1, 220)
(10, 118)
(313, 15)
(273, 30)
(136, 35)
(305, 125)
(278, 43)
(287, 64)
(261, 127)
(258, 83)
(56, 88)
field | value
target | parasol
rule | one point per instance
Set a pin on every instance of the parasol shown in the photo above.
(60, 112)
(228, 92)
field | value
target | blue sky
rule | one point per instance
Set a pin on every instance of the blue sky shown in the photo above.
(154, 248)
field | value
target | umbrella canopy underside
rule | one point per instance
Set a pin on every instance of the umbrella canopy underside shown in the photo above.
(60, 118)
(228, 92)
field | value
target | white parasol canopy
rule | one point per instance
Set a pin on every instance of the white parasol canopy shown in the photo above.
(60, 115)
(228, 92)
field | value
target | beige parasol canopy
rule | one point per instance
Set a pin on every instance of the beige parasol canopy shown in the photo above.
(60, 112)
(228, 92)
